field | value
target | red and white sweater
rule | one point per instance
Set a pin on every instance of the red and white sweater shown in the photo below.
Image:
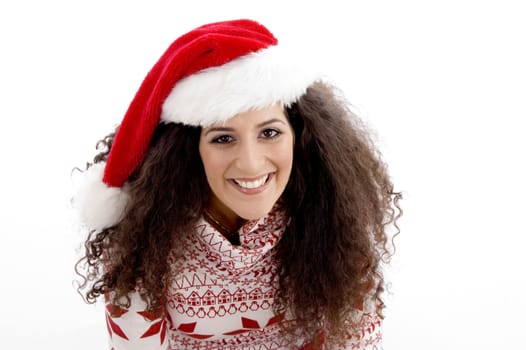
(221, 298)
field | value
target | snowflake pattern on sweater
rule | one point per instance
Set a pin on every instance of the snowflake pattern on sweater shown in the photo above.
(221, 298)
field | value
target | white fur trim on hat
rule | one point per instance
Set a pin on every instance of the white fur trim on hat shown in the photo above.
(254, 81)
(98, 205)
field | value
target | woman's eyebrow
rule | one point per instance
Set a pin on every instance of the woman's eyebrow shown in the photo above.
(270, 121)
(218, 128)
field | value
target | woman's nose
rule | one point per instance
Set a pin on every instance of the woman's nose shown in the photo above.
(250, 158)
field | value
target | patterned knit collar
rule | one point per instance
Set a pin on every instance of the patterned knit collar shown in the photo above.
(257, 237)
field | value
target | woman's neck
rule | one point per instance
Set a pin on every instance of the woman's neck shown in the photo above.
(223, 219)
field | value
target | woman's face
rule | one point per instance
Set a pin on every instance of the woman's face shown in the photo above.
(247, 162)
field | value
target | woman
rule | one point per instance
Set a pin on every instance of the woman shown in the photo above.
(239, 205)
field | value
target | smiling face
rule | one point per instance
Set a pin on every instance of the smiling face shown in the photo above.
(247, 162)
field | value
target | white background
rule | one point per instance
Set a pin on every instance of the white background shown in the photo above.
(443, 83)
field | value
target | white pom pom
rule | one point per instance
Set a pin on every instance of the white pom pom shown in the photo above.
(98, 205)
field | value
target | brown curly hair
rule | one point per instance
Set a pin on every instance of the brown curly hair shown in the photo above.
(339, 196)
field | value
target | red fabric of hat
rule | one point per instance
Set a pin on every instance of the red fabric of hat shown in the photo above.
(207, 46)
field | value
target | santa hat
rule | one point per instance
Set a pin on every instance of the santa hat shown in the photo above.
(205, 76)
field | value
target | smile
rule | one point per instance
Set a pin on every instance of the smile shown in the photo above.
(252, 185)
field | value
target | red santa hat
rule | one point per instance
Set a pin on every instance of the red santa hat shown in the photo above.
(204, 77)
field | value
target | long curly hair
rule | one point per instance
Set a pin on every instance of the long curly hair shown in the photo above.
(339, 197)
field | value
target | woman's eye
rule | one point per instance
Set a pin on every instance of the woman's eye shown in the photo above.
(222, 139)
(270, 133)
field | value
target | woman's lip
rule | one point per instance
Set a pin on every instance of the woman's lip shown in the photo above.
(251, 190)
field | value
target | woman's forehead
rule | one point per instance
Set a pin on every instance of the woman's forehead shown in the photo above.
(255, 117)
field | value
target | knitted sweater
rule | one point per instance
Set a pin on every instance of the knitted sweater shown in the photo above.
(221, 298)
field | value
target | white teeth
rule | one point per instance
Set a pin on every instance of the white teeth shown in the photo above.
(252, 184)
